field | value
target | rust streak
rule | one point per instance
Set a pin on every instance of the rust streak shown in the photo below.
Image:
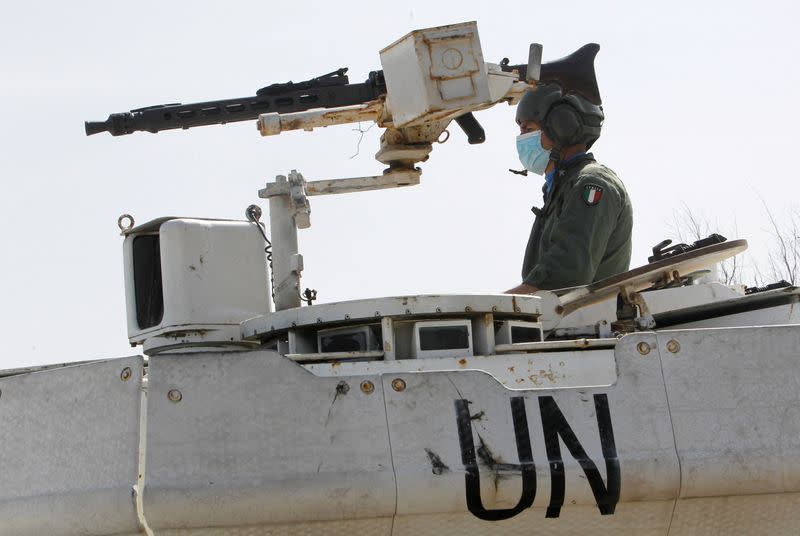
(549, 374)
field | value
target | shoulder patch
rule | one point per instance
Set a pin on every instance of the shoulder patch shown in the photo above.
(592, 194)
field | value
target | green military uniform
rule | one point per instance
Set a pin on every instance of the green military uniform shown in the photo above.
(583, 232)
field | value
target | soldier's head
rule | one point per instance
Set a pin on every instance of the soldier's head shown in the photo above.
(565, 118)
(563, 113)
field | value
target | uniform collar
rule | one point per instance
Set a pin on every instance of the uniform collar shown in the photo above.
(549, 177)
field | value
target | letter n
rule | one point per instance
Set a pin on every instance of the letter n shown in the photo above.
(472, 476)
(555, 425)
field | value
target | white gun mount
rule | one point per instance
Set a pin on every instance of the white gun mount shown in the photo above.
(290, 209)
(433, 76)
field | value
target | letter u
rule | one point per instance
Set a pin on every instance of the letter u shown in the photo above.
(472, 476)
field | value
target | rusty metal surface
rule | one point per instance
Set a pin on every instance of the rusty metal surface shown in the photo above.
(544, 346)
(335, 356)
(274, 123)
(550, 370)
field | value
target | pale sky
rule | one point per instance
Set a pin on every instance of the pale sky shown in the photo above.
(700, 103)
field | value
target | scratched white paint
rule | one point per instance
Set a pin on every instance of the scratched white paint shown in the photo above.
(703, 431)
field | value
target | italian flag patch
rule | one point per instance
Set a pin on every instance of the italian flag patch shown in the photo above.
(592, 194)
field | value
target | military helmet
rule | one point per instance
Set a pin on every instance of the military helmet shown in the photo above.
(566, 102)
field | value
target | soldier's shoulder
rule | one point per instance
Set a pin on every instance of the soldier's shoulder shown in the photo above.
(601, 176)
(595, 170)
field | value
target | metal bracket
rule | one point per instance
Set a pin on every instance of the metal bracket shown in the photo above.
(290, 210)
(294, 188)
(393, 178)
(632, 311)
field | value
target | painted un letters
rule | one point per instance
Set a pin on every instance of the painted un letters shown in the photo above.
(554, 425)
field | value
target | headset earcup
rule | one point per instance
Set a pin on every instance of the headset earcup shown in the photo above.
(564, 124)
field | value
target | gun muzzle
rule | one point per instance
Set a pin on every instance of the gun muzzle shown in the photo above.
(116, 125)
(94, 127)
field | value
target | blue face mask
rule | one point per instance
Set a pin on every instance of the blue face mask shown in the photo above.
(532, 155)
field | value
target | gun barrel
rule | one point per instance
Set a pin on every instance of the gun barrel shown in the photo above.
(165, 117)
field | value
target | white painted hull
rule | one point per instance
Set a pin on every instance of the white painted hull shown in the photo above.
(705, 441)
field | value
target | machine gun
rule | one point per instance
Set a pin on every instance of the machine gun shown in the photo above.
(327, 91)
(331, 90)
(429, 78)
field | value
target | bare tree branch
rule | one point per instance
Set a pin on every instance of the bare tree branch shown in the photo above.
(689, 227)
(782, 258)
(785, 257)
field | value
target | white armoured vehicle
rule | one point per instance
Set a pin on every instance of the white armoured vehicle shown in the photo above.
(654, 402)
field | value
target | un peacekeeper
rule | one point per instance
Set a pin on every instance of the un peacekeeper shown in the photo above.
(582, 233)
